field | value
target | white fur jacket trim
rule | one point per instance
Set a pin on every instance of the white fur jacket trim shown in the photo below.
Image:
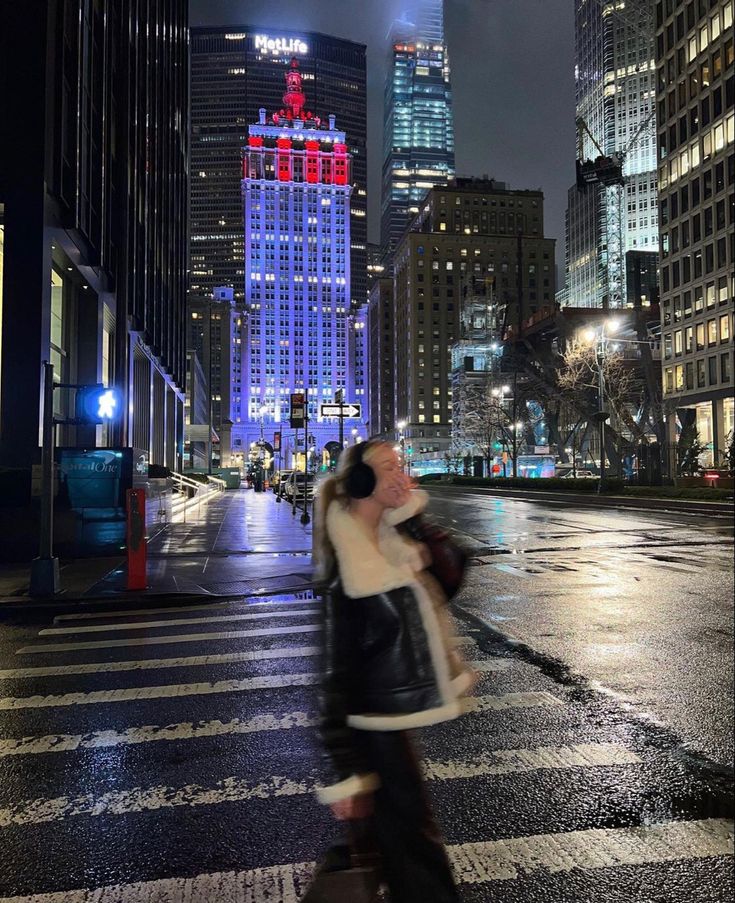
(352, 786)
(366, 569)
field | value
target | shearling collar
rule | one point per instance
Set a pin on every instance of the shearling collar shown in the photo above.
(366, 568)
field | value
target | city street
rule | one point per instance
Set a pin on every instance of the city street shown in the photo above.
(168, 753)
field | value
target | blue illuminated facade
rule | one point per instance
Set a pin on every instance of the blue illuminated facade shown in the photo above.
(296, 203)
(418, 124)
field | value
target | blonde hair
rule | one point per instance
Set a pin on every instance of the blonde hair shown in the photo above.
(334, 488)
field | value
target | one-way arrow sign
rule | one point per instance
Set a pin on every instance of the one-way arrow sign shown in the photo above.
(351, 409)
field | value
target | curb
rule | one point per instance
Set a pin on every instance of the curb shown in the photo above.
(691, 506)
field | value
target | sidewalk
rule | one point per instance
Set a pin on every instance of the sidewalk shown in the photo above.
(240, 543)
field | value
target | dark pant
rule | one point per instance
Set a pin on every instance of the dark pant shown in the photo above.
(415, 862)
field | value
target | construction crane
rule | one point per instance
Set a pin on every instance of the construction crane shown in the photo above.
(607, 171)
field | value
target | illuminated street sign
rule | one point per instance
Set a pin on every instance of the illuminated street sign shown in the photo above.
(350, 410)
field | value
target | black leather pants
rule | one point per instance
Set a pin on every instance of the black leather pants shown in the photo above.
(415, 862)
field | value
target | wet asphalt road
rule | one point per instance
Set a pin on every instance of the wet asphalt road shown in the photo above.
(170, 755)
(640, 603)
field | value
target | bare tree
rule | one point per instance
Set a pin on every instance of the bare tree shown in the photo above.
(479, 420)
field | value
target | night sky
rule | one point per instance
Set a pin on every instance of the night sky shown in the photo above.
(512, 79)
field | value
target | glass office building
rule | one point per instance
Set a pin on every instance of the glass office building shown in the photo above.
(615, 109)
(418, 126)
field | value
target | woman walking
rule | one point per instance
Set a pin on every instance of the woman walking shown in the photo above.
(389, 666)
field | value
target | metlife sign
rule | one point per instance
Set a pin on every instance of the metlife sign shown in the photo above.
(280, 46)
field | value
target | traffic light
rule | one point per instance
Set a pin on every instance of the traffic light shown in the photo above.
(97, 404)
(409, 450)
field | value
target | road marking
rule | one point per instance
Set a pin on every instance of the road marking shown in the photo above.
(159, 663)
(165, 691)
(99, 615)
(517, 761)
(183, 638)
(166, 609)
(173, 691)
(236, 790)
(164, 640)
(510, 701)
(188, 730)
(191, 661)
(473, 863)
(178, 622)
(151, 733)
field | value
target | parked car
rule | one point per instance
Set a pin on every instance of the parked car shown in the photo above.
(279, 481)
(579, 475)
(299, 484)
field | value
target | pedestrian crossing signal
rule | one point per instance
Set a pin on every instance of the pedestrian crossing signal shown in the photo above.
(97, 404)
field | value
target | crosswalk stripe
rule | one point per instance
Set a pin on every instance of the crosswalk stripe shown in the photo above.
(164, 640)
(474, 863)
(178, 622)
(236, 790)
(164, 691)
(184, 638)
(189, 661)
(188, 730)
(173, 609)
(151, 733)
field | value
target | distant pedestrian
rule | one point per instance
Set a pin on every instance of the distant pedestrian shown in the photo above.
(389, 665)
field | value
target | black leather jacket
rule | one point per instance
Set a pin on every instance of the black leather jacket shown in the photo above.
(385, 668)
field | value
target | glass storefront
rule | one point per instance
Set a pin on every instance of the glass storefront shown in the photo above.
(705, 426)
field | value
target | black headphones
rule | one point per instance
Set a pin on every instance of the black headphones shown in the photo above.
(360, 480)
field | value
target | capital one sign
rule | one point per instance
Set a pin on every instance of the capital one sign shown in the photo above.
(280, 45)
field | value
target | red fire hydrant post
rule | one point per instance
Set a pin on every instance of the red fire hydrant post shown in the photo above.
(136, 539)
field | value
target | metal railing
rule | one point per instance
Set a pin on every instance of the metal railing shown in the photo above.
(189, 494)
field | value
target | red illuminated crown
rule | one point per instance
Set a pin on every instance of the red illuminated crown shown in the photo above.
(294, 99)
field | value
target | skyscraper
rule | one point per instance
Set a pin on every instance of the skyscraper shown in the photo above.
(418, 133)
(93, 203)
(696, 138)
(296, 190)
(236, 70)
(613, 209)
(475, 229)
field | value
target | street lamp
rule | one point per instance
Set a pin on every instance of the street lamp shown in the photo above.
(400, 427)
(600, 338)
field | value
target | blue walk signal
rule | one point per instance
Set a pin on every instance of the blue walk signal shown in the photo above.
(97, 404)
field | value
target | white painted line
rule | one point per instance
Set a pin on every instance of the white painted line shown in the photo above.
(501, 860)
(517, 761)
(173, 691)
(510, 701)
(182, 638)
(164, 640)
(189, 730)
(165, 691)
(474, 863)
(152, 733)
(99, 615)
(178, 622)
(173, 609)
(236, 790)
(188, 661)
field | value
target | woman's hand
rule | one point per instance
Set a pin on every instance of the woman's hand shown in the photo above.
(353, 807)
(402, 486)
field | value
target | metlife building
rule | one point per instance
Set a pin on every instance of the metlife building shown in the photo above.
(235, 71)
